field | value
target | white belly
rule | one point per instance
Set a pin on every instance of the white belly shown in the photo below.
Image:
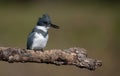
(39, 42)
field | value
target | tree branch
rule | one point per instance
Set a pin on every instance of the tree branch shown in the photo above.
(72, 56)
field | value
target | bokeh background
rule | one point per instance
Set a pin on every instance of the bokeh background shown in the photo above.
(90, 24)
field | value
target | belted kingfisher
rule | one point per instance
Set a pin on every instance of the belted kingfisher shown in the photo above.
(38, 38)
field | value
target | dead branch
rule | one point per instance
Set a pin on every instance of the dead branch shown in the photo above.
(72, 56)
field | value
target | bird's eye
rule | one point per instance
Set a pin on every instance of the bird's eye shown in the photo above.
(45, 22)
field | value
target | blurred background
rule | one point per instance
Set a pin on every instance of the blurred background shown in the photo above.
(90, 24)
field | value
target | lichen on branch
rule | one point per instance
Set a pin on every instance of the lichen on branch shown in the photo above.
(72, 56)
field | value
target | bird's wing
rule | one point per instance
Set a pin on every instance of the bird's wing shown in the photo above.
(30, 40)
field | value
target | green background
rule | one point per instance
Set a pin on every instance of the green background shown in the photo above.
(93, 25)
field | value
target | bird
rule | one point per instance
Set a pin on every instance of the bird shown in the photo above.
(38, 37)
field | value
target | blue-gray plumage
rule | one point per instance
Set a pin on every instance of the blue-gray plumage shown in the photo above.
(38, 38)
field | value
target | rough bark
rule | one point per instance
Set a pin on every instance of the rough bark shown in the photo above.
(72, 56)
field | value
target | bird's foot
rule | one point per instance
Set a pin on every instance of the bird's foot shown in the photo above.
(39, 50)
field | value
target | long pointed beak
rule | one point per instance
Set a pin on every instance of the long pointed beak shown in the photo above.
(55, 26)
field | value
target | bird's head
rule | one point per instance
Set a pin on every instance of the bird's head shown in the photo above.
(45, 21)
